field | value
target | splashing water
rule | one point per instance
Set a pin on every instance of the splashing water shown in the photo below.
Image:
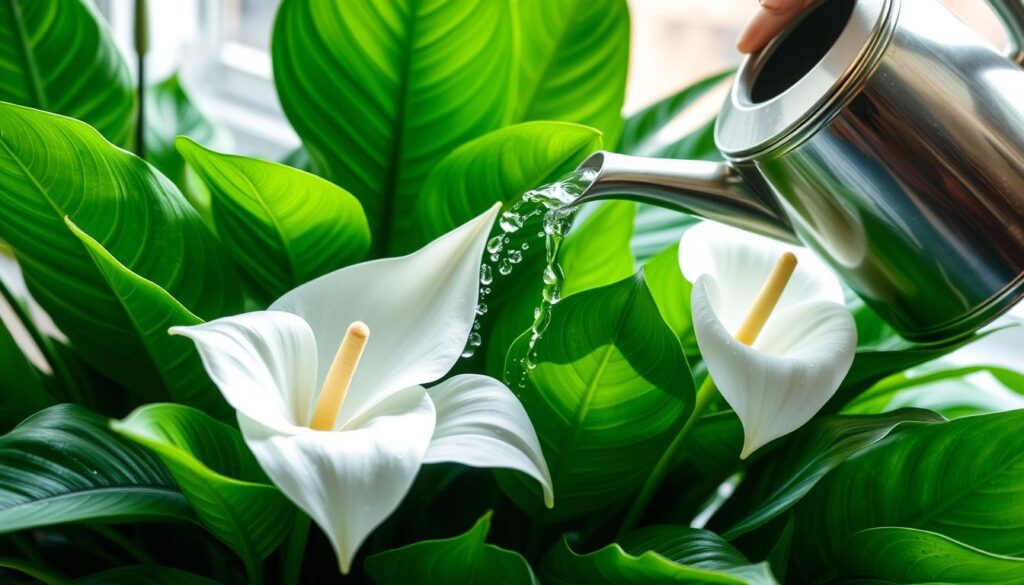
(549, 204)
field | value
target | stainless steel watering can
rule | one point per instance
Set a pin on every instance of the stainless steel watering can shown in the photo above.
(886, 136)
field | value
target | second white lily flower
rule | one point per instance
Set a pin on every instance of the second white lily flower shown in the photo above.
(270, 366)
(807, 345)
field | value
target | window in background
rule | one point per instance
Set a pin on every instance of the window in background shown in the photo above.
(222, 50)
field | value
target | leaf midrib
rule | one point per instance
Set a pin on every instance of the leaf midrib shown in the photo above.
(584, 408)
(164, 492)
(984, 480)
(33, 81)
(279, 233)
(382, 240)
(528, 103)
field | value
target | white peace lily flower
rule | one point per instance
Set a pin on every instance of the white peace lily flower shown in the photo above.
(805, 349)
(271, 365)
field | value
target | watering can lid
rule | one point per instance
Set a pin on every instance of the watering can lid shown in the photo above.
(781, 91)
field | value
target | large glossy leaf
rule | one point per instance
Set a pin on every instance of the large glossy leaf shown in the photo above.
(152, 312)
(499, 166)
(883, 357)
(778, 481)
(381, 90)
(963, 479)
(217, 473)
(170, 112)
(597, 253)
(465, 559)
(640, 133)
(144, 575)
(283, 227)
(610, 385)
(951, 391)
(53, 167)
(659, 554)
(575, 55)
(60, 57)
(64, 465)
(906, 556)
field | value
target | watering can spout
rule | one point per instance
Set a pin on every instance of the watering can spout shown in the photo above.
(706, 189)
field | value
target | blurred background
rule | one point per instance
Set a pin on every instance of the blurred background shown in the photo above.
(221, 48)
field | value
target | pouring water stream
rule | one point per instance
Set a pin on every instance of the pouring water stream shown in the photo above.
(552, 204)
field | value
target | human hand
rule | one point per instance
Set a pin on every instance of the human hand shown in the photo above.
(771, 18)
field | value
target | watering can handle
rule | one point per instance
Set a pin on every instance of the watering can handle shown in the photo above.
(1011, 13)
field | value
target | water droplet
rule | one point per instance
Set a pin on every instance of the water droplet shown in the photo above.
(481, 309)
(495, 245)
(525, 246)
(515, 256)
(472, 345)
(505, 267)
(486, 276)
(511, 222)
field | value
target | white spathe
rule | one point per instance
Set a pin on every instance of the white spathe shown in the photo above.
(805, 349)
(270, 366)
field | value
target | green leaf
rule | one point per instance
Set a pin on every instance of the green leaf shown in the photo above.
(963, 479)
(641, 129)
(144, 575)
(671, 293)
(499, 166)
(697, 145)
(659, 554)
(597, 253)
(777, 482)
(575, 56)
(53, 167)
(906, 556)
(877, 360)
(282, 226)
(610, 385)
(64, 465)
(21, 384)
(152, 312)
(170, 112)
(60, 57)
(217, 473)
(381, 90)
(951, 391)
(465, 559)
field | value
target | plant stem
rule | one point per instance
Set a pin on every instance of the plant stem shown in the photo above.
(254, 571)
(141, 48)
(705, 394)
(296, 551)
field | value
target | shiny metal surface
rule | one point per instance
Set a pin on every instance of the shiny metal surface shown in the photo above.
(908, 177)
(748, 125)
(708, 189)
